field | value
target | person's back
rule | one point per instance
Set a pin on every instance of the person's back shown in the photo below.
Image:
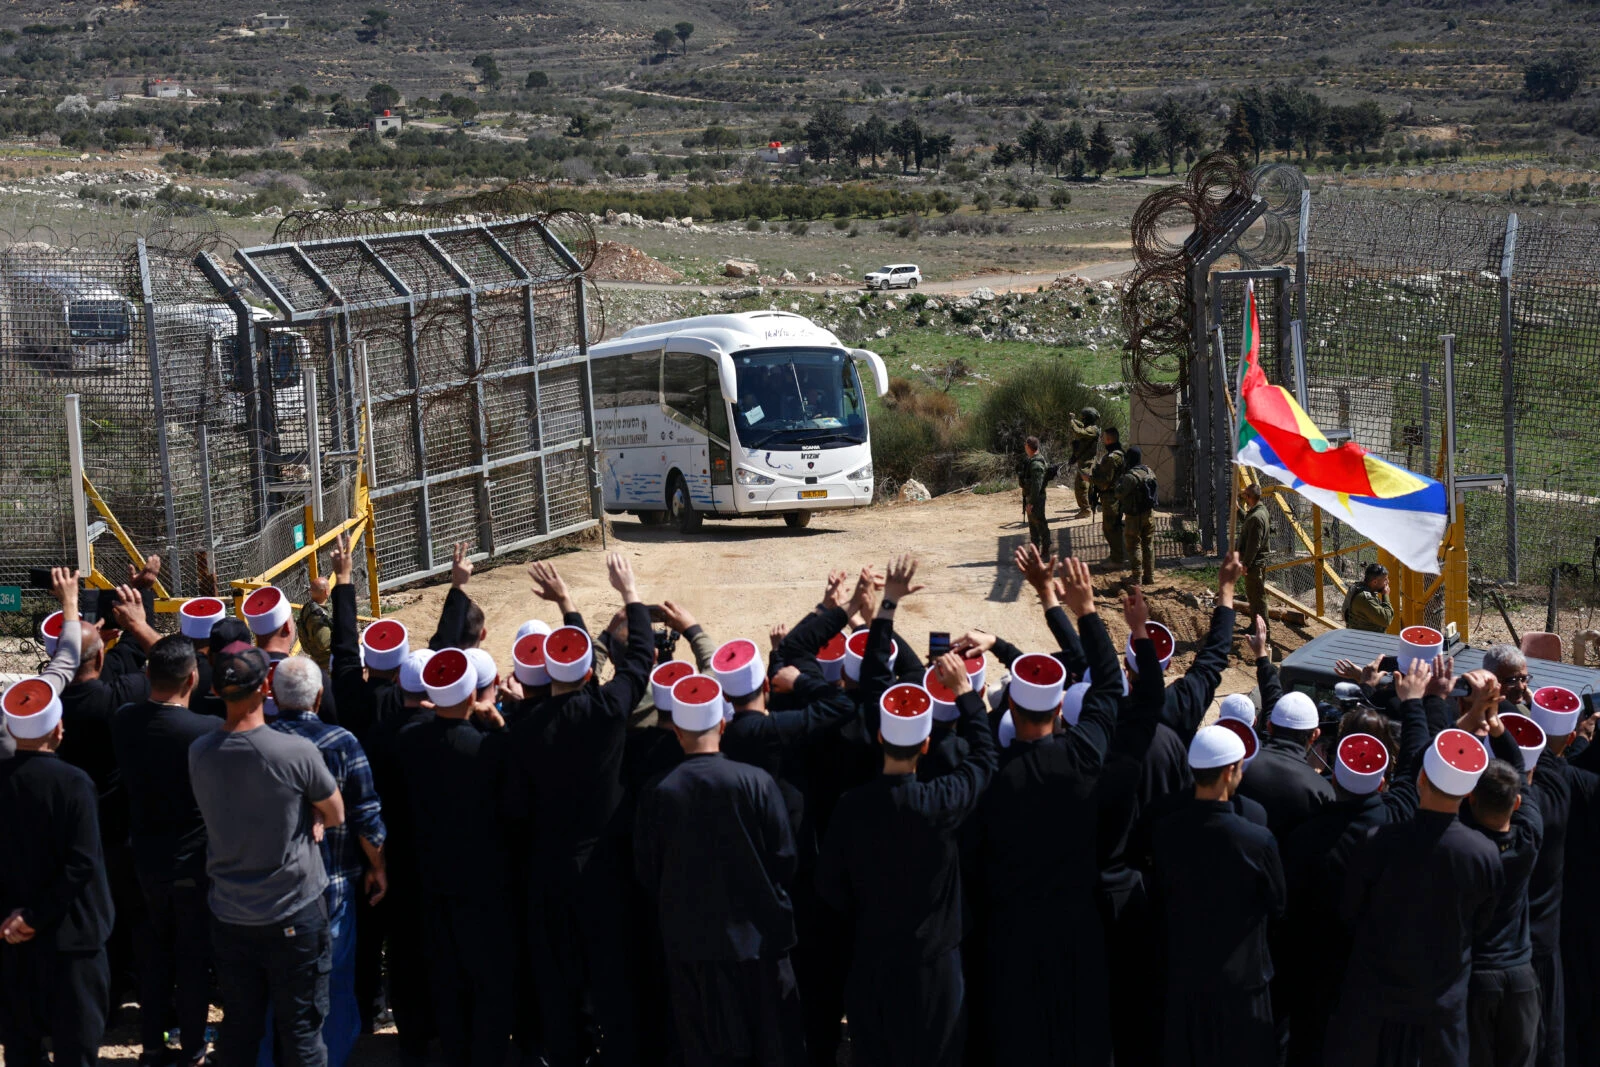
(252, 788)
(1216, 880)
(152, 742)
(1280, 779)
(453, 774)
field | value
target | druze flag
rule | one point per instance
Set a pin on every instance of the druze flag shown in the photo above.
(1403, 513)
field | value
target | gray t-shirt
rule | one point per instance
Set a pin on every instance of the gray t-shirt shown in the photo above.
(255, 790)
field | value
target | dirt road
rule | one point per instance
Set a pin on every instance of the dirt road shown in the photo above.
(1109, 270)
(740, 578)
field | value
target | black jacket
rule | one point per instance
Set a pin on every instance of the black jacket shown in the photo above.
(1507, 942)
(737, 908)
(86, 713)
(166, 827)
(1280, 780)
(889, 859)
(454, 785)
(53, 868)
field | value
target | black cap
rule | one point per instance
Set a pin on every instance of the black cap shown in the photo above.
(240, 670)
(227, 631)
(1135, 457)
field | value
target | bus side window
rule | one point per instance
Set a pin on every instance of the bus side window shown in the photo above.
(639, 379)
(683, 387)
(603, 375)
(716, 406)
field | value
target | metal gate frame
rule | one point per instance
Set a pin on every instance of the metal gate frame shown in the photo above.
(381, 286)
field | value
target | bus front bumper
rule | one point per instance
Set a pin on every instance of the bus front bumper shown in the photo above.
(767, 498)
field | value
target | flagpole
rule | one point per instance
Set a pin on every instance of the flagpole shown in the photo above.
(1233, 463)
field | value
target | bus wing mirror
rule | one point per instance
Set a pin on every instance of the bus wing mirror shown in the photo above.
(880, 373)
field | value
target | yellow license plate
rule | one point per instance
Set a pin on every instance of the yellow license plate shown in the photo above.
(813, 494)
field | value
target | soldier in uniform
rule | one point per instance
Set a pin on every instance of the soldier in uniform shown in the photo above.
(1085, 442)
(316, 624)
(1104, 479)
(1367, 607)
(1255, 529)
(1136, 501)
(1035, 475)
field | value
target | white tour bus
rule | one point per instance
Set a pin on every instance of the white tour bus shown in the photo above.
(759, 414)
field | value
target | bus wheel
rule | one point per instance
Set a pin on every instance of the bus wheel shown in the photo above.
(797, 520)
(680, 507)
(652, 518)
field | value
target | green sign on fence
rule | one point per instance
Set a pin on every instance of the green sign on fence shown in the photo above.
(300, 535)
(10, 598)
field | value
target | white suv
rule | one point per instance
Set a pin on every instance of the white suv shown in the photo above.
(895, 276)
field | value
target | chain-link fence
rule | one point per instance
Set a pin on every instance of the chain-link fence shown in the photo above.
(1386, 277)
(221, 395)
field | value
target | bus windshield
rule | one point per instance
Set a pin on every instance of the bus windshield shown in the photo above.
(98, 320)
(803, 397)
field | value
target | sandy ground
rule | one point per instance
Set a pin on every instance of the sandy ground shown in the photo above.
(740, 578)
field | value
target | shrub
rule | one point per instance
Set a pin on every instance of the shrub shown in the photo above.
(903, 446)
(1038, 400)
(798, 228)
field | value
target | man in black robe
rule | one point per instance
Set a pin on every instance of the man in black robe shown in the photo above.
(889, 861)
(55, 906)
(1280, 779)
(1037, 836)
(567, 761)
(1417, 895)
(1216, 880)
(726, 926)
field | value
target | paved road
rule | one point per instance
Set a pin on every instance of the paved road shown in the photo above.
(1109, 270)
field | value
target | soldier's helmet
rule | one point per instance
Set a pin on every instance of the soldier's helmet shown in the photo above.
(1088, 416)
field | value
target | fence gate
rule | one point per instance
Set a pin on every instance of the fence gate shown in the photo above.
(468, 345)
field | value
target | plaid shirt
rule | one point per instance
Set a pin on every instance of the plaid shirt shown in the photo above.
(363, 813)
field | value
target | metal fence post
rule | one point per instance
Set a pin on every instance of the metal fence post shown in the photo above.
(1449, 340)
(80, 504)
(313, 444)
(244, 339)
(1222, 475)
(531, 335)
(480, 426)
(1508, 395)
(204, 444)
(159, 413)
(1427, 417)
(1301, 247)
(595, 505)
(1200, 373)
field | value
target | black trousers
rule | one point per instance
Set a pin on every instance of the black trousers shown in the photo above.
(821, 958)
(410, 994)
(729, 1014)
(471, 963)
(1216, 1027)
(57, 995)
(1552, 1010)
(1132, 973)
(579, 933)
(286, 965)
(906, 1014)
(1503, 1017)
(371, 926)
(174, 951)
(1063, 971)
(1361, 1036)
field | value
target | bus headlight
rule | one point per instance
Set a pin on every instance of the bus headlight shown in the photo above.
(864, 474)
(744, 477)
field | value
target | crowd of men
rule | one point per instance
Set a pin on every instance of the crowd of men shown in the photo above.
(1000, 857)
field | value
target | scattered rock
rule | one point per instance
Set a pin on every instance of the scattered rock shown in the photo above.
(913, 492)
(890, 305)
(740, 268)
(624, 263)
(883, 331)
(932, 305)
(788, 277)
(983, 295)
(811, 277)
(739, 292)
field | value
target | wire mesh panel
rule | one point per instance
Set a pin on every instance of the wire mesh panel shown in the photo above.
(475, 370)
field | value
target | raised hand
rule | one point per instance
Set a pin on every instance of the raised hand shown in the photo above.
(835, 595)
(864, 602)
(1228, 577)
(64, 586)
(1414, 683)
(1077, 587)
(1444, 676)
(953, 673)
(1346, 669)
(129, 607)
(460, 566)
(620, 572)
(547, 583)
(778, 633)
(1483, 698)
(1135, 611)
(145, 577)
(1260, 647)
(1034, 567)
(901, 582)
(344, 561)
